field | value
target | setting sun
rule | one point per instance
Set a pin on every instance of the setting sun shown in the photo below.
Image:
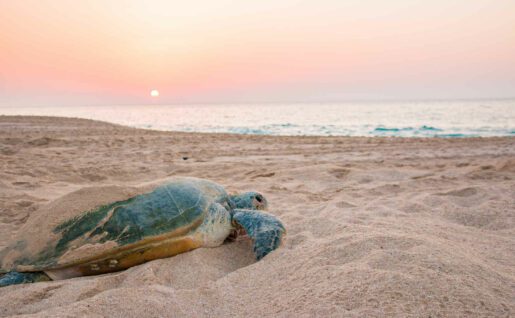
(381, 134)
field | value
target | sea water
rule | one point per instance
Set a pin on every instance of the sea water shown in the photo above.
(407, 119)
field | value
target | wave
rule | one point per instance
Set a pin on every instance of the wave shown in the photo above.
(394, 129)
(391, 119)
(289, 129)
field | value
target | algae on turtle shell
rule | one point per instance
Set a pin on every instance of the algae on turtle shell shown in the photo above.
(135, 225)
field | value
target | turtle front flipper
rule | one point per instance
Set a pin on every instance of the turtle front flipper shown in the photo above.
(265, 230)
(14, 278)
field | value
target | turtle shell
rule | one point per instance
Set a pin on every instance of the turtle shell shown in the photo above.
(104, 229)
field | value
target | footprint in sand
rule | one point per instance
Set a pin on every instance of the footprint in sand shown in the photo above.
(26, 184)
(339, 173)
(8, 151)
(43, 141)
(466, 197)
(344, 204)
(465, 192)
(264, 175)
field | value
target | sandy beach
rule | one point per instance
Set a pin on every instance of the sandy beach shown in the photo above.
(402, 227)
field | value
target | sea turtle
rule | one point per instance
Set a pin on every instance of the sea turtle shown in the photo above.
(104, 229)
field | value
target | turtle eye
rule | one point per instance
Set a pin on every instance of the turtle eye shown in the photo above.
(259, 198)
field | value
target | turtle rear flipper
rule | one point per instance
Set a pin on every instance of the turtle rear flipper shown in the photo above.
(14, 278)
(265, 230)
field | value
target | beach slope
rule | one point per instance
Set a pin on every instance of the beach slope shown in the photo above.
(376, 226)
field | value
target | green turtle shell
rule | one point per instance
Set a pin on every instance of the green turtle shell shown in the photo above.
(103, 229)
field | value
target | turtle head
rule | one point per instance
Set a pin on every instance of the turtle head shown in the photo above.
(249, 200)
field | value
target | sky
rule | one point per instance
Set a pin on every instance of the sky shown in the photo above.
(115, 52)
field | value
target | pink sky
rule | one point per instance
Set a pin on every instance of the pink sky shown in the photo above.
(114, 52)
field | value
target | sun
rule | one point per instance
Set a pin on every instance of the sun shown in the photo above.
(154, 93)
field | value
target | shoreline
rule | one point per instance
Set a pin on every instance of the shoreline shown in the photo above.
(376, 226)
(332, 120)
(17, 117)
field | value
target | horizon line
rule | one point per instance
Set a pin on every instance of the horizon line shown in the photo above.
(356, 100)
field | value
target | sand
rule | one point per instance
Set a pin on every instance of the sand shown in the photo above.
(376, 226)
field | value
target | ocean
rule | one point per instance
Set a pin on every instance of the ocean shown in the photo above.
(446, 119)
